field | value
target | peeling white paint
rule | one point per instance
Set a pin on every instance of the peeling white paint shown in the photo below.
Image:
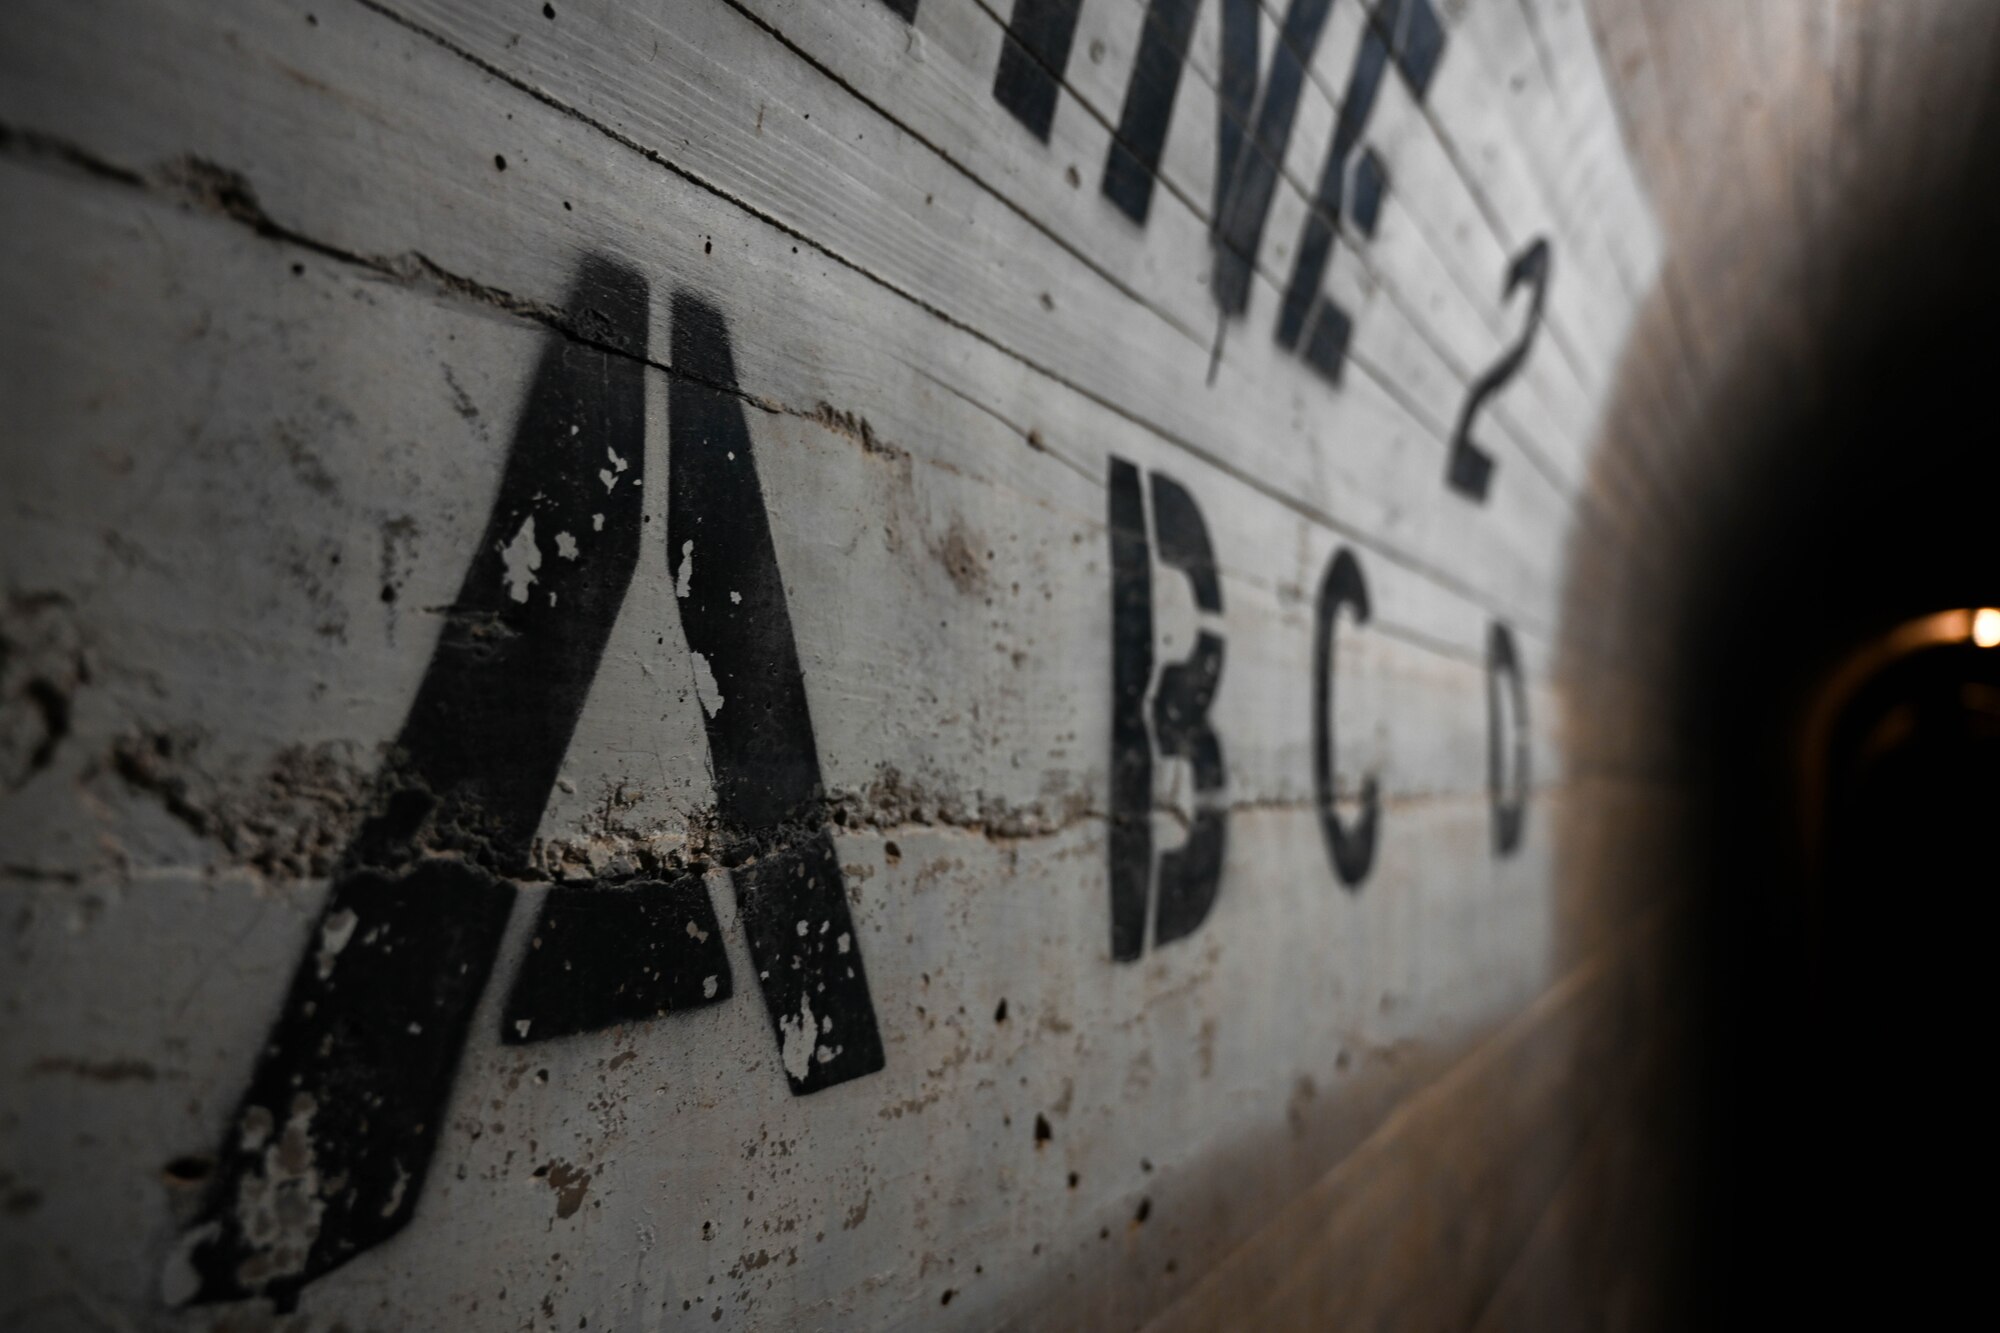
(334, 933)
(523, 557)
(278, 1206)
(801, 1034)
(609, 475)
(394, 1202)
(705, 688)
(180, 1281)
(893, 692)
(254, 1131)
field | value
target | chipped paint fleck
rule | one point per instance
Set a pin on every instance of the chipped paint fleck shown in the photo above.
(523, 557)
(255, 1129)
(705, 687)
(684, 576)
(801, 1034)
(334, 933)
(566, 546)
(394, 1202)
(278, 1208)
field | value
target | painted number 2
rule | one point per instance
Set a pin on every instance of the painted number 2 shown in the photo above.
(1470, 470)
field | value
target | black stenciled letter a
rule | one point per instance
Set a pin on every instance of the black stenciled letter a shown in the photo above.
(603, 954)
(327, 1152)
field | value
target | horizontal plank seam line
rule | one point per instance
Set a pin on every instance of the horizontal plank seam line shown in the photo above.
(1544, 187)
(1572, 493)
(1516, 435)
(1537, 173)
(1540, 629)
(1355, 243)
(1691, 360)
(1542, 54)
(1029, 437)
(776, 34)
(1558, 335)
(415, 269)
(1343, 226)
(1416, 638)
(1090, 108)
(1194, 208)
(1386, 626)
(28, 146)
(1517, 616)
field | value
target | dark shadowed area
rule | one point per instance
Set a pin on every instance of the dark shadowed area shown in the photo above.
(1804, 424)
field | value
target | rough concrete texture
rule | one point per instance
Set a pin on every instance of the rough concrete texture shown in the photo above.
(743, 663)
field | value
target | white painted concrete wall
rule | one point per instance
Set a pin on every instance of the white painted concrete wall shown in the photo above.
(279, 279)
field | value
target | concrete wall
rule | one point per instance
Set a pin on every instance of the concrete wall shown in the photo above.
(755, 663)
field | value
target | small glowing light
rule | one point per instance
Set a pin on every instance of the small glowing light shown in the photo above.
(1986, 627)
